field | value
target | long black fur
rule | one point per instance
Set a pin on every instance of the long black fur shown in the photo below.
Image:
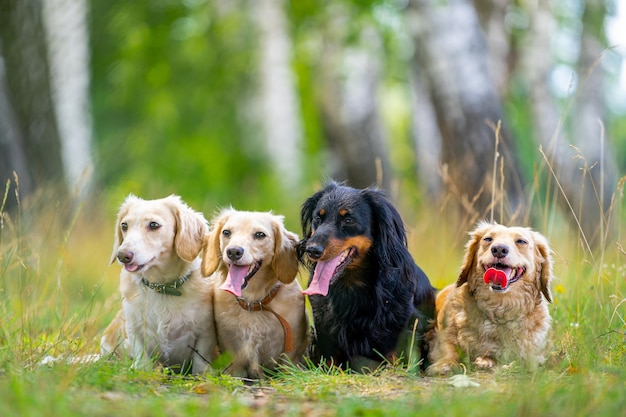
(364, 321)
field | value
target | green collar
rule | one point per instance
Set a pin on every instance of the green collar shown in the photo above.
(171, 288)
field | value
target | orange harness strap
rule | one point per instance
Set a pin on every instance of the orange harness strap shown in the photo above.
(263, 306)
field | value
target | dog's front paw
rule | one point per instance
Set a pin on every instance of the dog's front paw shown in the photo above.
(484, 363)
(442, 367)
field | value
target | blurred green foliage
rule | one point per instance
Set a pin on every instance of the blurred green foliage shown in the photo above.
(171, 83)
(174, 84)
(172, 87)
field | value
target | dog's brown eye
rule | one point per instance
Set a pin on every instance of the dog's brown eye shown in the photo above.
(154, 225)
(521, 242)
(259, 235)
(226, 233)
(488, 239)
(124, 226)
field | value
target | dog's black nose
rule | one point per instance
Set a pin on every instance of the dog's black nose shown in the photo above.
(499, 251)
(125, 257)
(234, 253)
(315, 251)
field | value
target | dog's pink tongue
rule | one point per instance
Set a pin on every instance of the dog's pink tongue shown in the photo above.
(131, 267)
(496, 277)
(234, 280)
(324, 271)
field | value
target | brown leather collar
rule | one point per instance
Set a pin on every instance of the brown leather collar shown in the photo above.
(263, 306)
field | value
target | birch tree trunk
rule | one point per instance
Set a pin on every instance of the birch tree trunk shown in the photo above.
(492, 15)
(452, 52)
(280, 116)
(426, 137)
(31, 133)
(350, 78)
(597, 164)
(537, 62)
(68, 53)
(12, 155)
(587, 173)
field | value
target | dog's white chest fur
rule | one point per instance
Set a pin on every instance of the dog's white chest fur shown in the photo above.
(167, 326)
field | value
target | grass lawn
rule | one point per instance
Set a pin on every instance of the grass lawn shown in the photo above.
(58, 292)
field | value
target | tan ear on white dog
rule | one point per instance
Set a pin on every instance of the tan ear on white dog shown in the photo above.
(211, 252)
(191, 227)
(469, 260)
(544, 267)
(285, 263)
(118, 238)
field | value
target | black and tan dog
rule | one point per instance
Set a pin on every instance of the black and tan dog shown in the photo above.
(365, 289)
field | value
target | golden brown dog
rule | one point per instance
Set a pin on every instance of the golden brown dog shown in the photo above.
(497, 311)
(167, 312)
(258, 304)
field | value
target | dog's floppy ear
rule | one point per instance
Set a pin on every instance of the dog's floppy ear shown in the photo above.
(306, 213)
(469, 259)
(285, 262)
(211, 252)
(191, 227)
(388, 226)
(118, 238)
(544, 264)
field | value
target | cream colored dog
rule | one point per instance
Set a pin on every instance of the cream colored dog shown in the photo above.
(498, 309)
(167, 312)
(258, 304)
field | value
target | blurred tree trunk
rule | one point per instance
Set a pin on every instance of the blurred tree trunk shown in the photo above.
(537, 62)
(350, 77)
(29, 129)
(68, 54)
(587, 175)
(279, 113)
(426, 137)
(12, 155)
(492, 15)
(598, 164)
(452, 52)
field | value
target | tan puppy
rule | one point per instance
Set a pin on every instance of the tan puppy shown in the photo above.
(167, 310)
(498, 309)
(258, 303)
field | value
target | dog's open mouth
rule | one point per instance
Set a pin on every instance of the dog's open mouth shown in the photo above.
(500, 275)
(135, 267)
(239, 276)
(327, 271)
